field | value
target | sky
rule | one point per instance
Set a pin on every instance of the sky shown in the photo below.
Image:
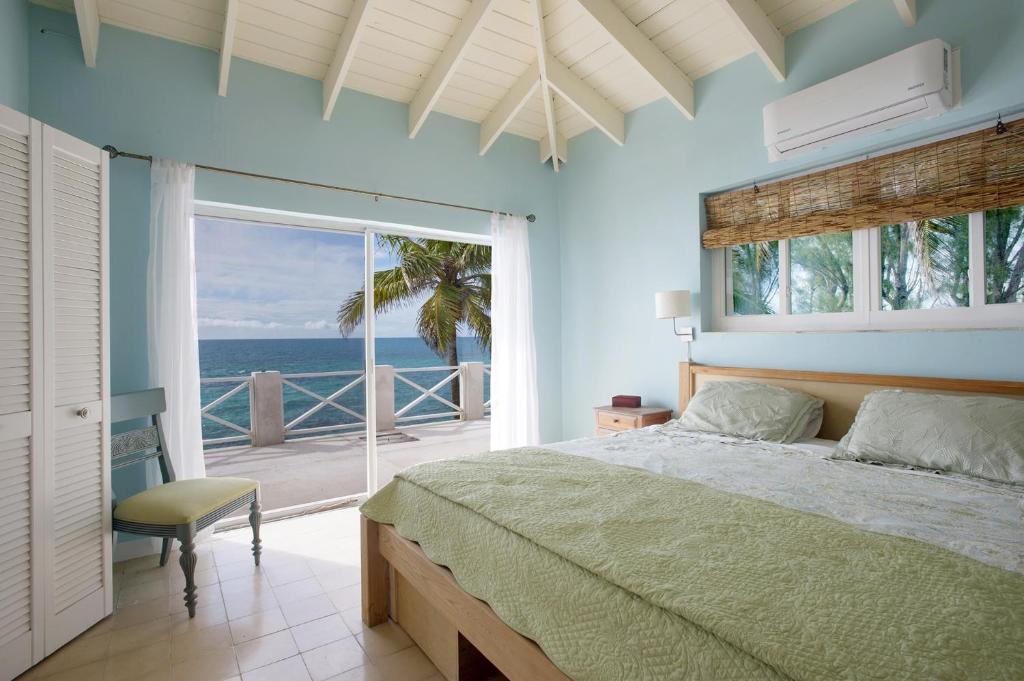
(262, 281)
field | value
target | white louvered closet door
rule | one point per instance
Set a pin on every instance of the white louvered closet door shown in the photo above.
(78, 572)
(20, 302)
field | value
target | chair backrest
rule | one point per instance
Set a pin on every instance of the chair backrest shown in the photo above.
(140, 444)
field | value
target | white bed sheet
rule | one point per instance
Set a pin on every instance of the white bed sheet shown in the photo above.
(984, 521)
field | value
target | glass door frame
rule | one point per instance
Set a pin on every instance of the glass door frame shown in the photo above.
(369, 229)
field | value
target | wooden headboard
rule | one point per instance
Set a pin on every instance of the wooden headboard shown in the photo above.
(842, 392)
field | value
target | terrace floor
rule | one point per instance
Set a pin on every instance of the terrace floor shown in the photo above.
(314, 469)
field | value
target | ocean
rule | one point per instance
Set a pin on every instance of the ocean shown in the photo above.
(220, 358)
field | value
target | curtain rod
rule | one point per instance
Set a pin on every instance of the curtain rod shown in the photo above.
(115, 153)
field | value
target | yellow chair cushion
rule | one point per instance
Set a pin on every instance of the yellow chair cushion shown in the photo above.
(181, 502)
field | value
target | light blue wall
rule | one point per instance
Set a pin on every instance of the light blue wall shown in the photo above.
(150, 95)
(14, 86)
(629, 217)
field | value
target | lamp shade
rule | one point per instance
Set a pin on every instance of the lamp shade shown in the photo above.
(671, 304)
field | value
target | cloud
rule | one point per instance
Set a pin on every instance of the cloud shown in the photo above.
(267, 281)
(238, 323)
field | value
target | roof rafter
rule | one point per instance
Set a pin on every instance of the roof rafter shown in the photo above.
(344, 54)
(670, 80)
(441, 73)
(545, 90)
(587, 101)
(87, 13)
(907, 10)
(760, 32)
(507, 109)
(227, 45)
(561, 144)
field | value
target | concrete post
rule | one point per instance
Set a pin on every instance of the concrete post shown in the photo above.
(385, 385)
(472, 394)
(266, 409)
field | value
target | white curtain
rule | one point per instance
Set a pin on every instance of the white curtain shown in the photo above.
(514, 410)
(172, 328)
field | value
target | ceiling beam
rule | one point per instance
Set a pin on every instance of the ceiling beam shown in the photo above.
(545, 148)
(87, 13)
(760, 32)
(344, 54)
(545, 89)
(507, 109)
(670, 80)
(446, 64)
(907, 10)
(227, 45)
(587, 101)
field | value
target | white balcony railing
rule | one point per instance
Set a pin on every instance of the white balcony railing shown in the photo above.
(322, 394)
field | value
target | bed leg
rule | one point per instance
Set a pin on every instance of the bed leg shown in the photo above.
(375, 575)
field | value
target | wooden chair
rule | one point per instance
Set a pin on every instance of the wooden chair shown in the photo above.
(177, 509)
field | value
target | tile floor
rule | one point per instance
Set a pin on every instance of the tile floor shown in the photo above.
(296, 618)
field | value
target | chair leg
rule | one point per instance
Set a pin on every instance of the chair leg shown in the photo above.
(187, 561)
(165, 551)
(255, 516)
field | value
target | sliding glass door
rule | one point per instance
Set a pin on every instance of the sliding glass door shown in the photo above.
(335, 354)
(284, 393)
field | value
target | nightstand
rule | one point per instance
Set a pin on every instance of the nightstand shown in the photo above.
(615, 419)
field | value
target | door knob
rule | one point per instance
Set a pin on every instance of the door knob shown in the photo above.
(83, 412)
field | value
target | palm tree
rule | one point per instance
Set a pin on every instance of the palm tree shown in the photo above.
(455, 276)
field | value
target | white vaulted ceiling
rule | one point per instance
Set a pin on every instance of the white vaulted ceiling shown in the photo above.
(479, 60)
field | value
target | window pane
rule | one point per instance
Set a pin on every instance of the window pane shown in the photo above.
(754, 269)
(821, 273)
(1004, 255)
(925, 264)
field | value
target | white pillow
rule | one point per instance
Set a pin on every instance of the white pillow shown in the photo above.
(756, 411)
(975, 435)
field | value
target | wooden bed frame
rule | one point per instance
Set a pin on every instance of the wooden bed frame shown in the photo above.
(462, 635)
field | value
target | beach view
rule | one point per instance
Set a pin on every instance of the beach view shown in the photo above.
(280, 313)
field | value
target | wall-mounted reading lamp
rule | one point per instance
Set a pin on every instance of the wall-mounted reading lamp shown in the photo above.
(673, 305)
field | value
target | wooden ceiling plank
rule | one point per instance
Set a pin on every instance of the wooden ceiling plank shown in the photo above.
(508, 108)
(344, 54)
(907, 10)
(673, 82)
(446, 64)
(227, 45)
(587, 101)
(760, 33)
(87, 13)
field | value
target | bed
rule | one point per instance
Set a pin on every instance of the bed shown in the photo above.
(665, 554)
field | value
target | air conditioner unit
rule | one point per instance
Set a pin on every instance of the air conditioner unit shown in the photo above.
(918, 82)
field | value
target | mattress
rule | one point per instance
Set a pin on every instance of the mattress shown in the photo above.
(975, 518)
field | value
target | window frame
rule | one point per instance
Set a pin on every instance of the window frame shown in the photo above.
(867, 314)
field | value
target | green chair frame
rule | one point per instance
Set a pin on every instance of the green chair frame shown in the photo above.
(147, 443)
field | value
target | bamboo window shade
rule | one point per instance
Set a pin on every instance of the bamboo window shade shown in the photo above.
(972, 172)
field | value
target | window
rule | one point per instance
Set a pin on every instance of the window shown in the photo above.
(925, 264)
(959, 271)
(755, 278)
(1004, 255)
(821, 273)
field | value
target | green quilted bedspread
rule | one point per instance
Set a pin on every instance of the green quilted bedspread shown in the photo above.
(620, 574)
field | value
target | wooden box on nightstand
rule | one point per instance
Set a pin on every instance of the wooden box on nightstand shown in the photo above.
(615, 419)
